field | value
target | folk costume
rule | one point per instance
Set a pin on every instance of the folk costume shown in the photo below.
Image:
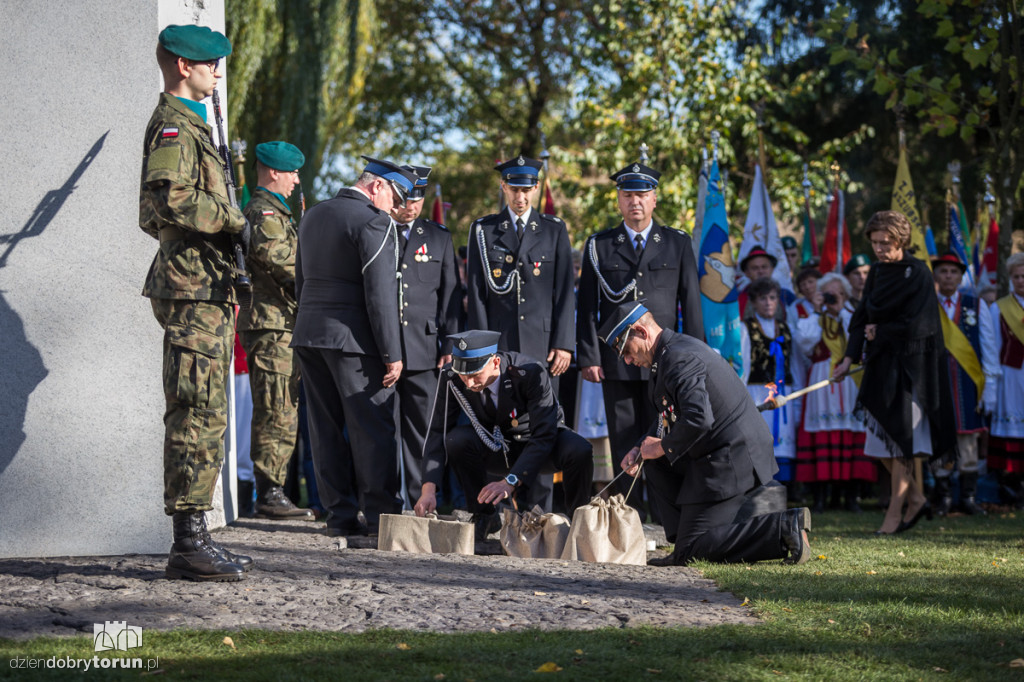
(767, 349)
(1002, 335)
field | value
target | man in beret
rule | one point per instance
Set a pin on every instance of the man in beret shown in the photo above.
(431, 311)
(706, 450)
(856, 272)
(349, 345)
(266, 329)
(184, 204)
(638, 258)
(520, 273)
(792, 250)
(516, 430)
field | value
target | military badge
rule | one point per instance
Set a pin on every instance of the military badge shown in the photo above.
(533, 225)
(462, 344)
(421, 254)
(268, 213)
(496, 272)
(536, 268)
(620, 239)
(514, 415)
(508, 258)
(169, 132)
(970, 318)
(656, 238)
(636, 168)
(419, 230)
(521, 161)
(504, 225)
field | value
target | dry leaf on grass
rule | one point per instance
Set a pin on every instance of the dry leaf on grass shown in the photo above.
(549, 667)
(746, 600)
(439, 676)
(1017, 663)
(229, 642)
(402, 646)
(872, 572)
(654, 671)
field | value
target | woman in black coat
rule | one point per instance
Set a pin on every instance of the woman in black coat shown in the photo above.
(904, 396)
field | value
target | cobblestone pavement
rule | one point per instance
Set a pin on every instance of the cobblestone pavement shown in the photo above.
(305, 580)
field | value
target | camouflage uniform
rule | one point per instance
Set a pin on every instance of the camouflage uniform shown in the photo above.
(266, 332)
(184, 203)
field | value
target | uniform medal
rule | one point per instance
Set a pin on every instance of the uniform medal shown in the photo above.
(514, 415)
(421, 254)
(536, 268)
(496, 272)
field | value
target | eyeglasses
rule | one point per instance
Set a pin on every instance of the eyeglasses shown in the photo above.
(214, 64)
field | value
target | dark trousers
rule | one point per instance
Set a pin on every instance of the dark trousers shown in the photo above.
(415, 398)
(706, 530)
(630, 414)
(475, 465)
(345, 390)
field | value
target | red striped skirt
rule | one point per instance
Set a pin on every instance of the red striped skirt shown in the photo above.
(1006, 454)
(833, 456)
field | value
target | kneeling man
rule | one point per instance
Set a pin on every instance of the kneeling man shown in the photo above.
(708, 448)
(516, 428)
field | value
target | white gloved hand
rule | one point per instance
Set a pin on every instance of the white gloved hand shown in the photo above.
(988, 396)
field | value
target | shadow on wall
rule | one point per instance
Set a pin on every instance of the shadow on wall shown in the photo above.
(23, 370)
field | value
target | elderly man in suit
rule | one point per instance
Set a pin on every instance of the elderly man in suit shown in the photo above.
(707, 449)
(349, 345)
(516, 429)
(638, 258)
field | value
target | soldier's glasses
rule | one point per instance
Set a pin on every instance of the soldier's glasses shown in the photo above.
(213, 64)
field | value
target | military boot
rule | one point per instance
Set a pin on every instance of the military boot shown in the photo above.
(192, 558)
(246, 493)
(244, 562)
(943, 496)
(272, 503)
(968, 489)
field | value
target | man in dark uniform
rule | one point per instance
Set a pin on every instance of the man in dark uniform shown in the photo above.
(183, 202)
(266, 329)
(636, 259)
(520, 274)
(516, 428)
(349, 345)
(432, 302)
(708, 448)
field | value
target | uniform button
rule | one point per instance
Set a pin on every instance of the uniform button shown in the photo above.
(406, 286)
(405, 323)
(406, 305)
(405, 266)
(639, 293)
(522, 317)
(639, 274)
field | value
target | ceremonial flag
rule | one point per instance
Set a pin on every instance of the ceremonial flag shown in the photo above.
(716, 270)
(836, 250)
(957, 246)
(761, 230)
(549, 201)
(809, 247)
(990, 259)
(702, 194)
(437, 210)
(905, 201)
(929, 240)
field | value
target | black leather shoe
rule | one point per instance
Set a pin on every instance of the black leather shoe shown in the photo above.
(272, 503)
(245, 562)
(669, 560)
(192, 558)
(925, 510)
(795, 524)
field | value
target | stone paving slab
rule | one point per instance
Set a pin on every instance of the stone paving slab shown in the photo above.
(305, 580)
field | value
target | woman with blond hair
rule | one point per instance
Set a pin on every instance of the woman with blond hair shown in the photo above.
(904, 397)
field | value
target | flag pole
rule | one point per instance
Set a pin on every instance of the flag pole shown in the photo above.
(762, 158)
(544, 156)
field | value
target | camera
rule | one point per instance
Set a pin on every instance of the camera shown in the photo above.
(830, 298)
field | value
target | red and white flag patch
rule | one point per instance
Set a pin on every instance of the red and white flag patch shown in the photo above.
(169, 132)
(268, 213)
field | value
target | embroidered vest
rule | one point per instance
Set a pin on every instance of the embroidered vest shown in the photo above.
(762, 364)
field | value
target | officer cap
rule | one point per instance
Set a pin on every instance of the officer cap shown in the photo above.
(419, 189)
(857, 261)
(198, 43)
(402, 180)
(754, 253)
(520, 171)
(636, 177)
(472, 349)
(789, 243)
(613, 328)
(280, 156)
(950, 258)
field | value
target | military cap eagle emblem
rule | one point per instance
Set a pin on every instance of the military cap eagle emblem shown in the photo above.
(521, 161)
(636, 168)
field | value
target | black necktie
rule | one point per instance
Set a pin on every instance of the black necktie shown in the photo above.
(520, 226)
(639, 239)
(489, 409)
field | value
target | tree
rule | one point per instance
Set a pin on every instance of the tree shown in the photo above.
(970, 86)
(301, 70)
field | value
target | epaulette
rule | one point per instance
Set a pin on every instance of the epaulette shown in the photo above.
(430, 222)
(552, 217)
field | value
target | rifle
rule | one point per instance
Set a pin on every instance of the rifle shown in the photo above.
(243, 285)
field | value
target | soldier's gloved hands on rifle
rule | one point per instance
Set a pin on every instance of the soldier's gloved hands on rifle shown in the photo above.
(245, 238)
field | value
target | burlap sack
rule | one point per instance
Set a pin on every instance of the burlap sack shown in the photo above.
(606, 532)
(430, 534)
(533, 534)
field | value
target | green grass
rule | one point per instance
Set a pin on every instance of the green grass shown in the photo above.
(943, 602)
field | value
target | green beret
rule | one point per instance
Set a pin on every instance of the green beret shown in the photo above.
(789, 243)
(280, 156)
(857, 261)
(198, 43)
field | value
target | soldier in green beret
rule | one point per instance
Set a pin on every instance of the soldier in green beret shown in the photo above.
(266, 329)
(184, 204)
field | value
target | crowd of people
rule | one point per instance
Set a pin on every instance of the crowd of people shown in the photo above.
(424, 373)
